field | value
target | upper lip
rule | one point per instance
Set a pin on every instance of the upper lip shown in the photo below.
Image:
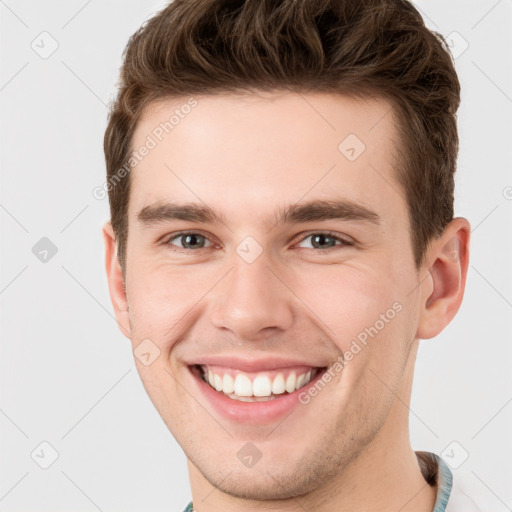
(253, 364)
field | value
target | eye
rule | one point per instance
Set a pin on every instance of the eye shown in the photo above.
(189, 240)
(325, 241)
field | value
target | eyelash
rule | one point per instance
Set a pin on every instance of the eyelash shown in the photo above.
(343, 242)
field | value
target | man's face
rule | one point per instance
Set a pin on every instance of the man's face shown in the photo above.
(273, 294)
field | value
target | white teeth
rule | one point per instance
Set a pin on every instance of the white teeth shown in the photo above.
(261, 388)
(217, 381)
(278, 384)
(243, 385)
(290, 383)
(228, 385)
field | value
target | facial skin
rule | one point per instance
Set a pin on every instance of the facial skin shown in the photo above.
(246, 156)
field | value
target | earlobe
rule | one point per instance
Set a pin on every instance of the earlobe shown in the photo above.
(442, 292)
(115, 280)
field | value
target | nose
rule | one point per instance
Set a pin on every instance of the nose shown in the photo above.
(253, 301)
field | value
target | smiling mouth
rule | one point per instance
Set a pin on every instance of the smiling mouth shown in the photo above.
(256, 387)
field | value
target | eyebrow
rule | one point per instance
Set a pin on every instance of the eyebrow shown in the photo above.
(315, 210)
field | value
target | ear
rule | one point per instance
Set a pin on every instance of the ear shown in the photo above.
(446, 265)
(115, 280)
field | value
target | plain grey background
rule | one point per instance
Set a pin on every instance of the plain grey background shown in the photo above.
(67, 374)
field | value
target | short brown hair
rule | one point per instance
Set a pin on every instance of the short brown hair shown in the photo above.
(370, 49)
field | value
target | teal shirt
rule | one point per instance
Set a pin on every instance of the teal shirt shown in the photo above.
(444, 484)
(437, 472)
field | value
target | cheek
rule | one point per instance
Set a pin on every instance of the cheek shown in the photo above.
(163, 300)
(372, 329)
(346, 300)
(364, 313)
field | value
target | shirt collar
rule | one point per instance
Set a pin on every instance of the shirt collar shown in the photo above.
(438, 474)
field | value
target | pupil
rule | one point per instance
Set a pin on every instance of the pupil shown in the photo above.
(191, 238)
(322, 238)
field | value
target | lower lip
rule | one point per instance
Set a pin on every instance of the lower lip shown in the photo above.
(252, 412)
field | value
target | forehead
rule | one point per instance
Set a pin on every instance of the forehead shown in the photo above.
(242, 152)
